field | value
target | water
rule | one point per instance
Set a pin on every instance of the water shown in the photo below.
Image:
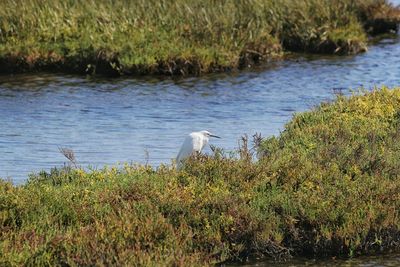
(385, 260)
(123, 120)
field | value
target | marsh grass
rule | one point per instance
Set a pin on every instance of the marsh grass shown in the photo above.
(182, 36)
(328, 185)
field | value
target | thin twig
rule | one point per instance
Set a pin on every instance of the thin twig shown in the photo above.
(69, 154)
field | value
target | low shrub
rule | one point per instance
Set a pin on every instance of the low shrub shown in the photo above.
(327, 185)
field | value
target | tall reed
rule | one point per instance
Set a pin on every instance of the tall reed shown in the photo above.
(182, 36)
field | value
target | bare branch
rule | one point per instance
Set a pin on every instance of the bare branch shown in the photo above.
(69, 154)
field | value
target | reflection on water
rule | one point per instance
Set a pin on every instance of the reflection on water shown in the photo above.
(108, 121)
(387, 260)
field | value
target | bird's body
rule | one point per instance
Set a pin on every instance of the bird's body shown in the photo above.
(193, 143)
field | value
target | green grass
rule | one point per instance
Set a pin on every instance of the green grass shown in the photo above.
(327, 185)
(182, 36)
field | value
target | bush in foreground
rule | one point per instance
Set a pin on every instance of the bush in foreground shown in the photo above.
(338, 166)
(328, 185)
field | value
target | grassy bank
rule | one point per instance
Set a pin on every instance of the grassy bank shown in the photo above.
(328, 185)
(182, 36)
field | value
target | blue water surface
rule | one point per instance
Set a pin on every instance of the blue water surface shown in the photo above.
(106, 121)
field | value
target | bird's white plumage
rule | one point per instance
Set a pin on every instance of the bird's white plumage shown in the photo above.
(193, 143)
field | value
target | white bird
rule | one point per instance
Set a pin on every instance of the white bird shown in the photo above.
(193, 143)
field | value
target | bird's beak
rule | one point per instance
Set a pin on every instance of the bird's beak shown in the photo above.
(211, 135)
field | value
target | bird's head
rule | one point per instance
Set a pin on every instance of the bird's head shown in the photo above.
(208, 134)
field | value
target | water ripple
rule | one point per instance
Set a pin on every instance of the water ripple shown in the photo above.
(108, 121)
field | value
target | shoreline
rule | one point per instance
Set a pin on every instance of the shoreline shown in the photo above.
(190, 44)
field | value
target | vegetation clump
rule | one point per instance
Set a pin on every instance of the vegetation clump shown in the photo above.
(182, 36)
(338, 167)
(328, 185)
